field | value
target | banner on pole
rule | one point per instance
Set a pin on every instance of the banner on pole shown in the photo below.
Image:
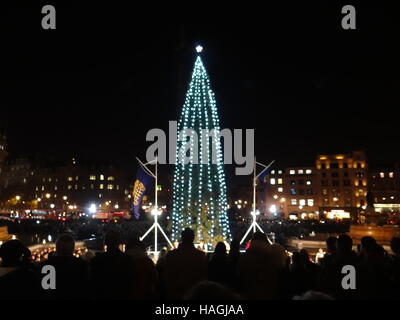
(142, 183)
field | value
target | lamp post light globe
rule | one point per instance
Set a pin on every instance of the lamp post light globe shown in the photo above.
(155, 212)
(92, 208)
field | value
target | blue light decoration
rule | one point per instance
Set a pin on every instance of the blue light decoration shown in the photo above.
(199, 189)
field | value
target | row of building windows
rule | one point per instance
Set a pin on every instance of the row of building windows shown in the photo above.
(385, 175)
(302, 202)
(294, 191)
(335, 183)
(91, 177)
(384, 198)
(276, 181)
(301, 171)
(92, 186)
(335, 165)
(300, 182)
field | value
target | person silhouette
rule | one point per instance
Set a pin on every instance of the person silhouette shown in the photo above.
(184, 267)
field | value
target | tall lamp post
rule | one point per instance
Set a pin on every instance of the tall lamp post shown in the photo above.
(155, 212)
(254, 225)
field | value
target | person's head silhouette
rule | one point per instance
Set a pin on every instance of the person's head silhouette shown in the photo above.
(11, 253)
(395, 245)
(187, 236)
(220, 249)
(331, 244)
(344, 244)
(112, 240)
(368, 245)
(65, 245)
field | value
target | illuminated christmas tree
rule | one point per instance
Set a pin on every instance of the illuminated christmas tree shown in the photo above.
(199, 190)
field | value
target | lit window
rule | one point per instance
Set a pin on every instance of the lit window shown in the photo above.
(382, 174)
(279, 171)
(273, 172)
(292, 171)
(302, 202)
(92, 177)
(308, 171)
(391, 174)
(300, 171)
(272, 181)
(42, 188)
(76, 187)
(110, 178)
(280, 181)
(110, 187)
(308, 182)
(293, 202)
(117, 186)
(55, 188)
(69, 187)
(49, 179)
(310, 202)
(76, 178)
(293, 191)
(100, 195)
(70, 179)
(92, 186)
(101, 186)
(101, 177)
(280, 189)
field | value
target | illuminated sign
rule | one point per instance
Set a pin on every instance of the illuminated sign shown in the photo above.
(338, 214)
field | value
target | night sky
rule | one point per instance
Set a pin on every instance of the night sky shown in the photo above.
(95, 86)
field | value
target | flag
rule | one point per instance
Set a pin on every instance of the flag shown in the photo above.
(142, 183)
(263, 175)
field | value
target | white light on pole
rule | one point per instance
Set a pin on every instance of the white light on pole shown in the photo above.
(92, 208)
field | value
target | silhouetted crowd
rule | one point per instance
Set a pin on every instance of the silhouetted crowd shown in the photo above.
(264, 271)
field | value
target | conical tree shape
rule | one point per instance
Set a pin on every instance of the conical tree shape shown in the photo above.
(199, 189)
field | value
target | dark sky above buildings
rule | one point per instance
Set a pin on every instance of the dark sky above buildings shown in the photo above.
(93, 87)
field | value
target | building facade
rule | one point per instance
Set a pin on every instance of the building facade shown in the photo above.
(291, 193)
(336, 187)
(68, 187)
(342, 181)
(384, 189)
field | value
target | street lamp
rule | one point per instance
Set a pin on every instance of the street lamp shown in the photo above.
(92, 208)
